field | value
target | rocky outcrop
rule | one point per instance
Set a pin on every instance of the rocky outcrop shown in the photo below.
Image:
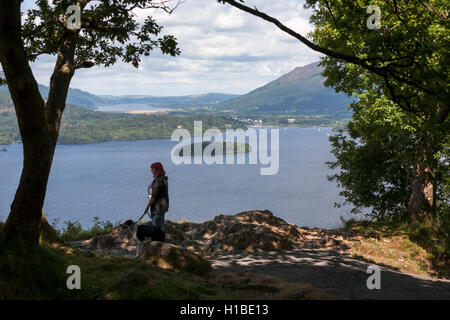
(118, 243)
(251, 231)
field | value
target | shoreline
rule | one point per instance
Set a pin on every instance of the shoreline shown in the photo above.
(168, 138)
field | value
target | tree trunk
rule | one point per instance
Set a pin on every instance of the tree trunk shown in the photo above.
(39, 122)
(422, 200)
(23, 224)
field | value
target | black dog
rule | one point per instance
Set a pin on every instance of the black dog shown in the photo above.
(143, 231)
(148, 231)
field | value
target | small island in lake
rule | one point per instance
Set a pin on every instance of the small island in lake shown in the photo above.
(211, 146)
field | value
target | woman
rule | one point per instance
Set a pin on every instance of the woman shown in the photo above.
(158, 192)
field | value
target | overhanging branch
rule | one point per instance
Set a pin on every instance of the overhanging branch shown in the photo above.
(384, 71)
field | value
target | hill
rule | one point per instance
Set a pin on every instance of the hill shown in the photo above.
(206, 99)
(81, 126)
(75, 96)
(91, 101)
(300, 91)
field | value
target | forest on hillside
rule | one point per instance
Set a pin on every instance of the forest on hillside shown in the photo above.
(81, 126)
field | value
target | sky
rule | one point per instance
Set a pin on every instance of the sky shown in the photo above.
(222, 50)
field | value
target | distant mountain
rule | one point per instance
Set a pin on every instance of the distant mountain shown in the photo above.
(75, 96)
(301, 91)
(91, 101)
(206, 99)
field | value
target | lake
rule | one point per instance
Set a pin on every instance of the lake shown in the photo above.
(110, 180)
(129, 107)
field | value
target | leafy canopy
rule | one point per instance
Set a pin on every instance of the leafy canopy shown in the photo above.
(109, 31)
(411, 47)
(402, 111)
(376, 156)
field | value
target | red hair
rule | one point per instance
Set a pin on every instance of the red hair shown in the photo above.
(159, 169)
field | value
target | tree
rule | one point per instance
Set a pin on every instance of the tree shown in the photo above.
(107, 31)
(375, 156)
(406, 59)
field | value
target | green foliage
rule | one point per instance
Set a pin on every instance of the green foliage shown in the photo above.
(375, 158)
(109, 31)
(405, 62)
(410, 48)
(9, 129)
(375, 166)
(73, 231)
(81, 126)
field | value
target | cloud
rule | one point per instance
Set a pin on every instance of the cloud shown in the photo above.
(222, 50)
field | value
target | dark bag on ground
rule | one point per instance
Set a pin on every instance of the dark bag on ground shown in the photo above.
(145, 231)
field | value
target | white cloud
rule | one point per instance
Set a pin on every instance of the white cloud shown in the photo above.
(231, 20)
(222, 50)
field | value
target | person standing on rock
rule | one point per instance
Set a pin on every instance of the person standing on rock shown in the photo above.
(158, 193)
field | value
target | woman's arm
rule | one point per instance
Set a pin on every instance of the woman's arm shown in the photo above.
(155, 192)
(150, 203)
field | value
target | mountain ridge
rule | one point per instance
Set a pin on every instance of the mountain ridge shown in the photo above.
(300, 91)
(92, 101)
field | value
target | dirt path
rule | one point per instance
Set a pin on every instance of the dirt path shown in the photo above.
(337, 273)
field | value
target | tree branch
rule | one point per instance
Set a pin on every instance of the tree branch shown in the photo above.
(84, 64)
(431, 8)
(60, 82)
(383, 71)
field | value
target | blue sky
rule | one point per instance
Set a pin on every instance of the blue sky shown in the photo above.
(222, 50)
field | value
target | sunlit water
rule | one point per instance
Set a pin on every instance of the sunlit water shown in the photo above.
(110, 180)
(129, 107)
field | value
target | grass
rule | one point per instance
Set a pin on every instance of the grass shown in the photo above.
(40, 274)
(422, 250)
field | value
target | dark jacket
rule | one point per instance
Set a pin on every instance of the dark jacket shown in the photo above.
(160, 192)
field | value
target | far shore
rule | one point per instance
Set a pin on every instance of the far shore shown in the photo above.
(145, 111)
(165, 138)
